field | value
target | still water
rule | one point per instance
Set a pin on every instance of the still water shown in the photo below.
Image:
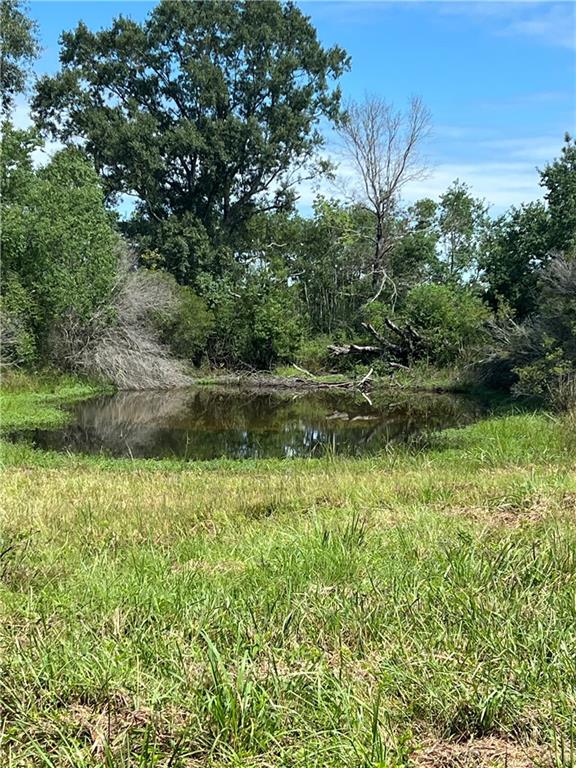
(208, 423)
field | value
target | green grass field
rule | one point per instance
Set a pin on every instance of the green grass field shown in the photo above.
(418, 608)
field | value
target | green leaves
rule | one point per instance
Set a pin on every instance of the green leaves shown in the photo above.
(57, 242)
(200, 110)
(18, 49)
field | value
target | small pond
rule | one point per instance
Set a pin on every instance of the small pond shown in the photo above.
(209, 423)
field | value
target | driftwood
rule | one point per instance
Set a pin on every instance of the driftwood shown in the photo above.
(347, 349)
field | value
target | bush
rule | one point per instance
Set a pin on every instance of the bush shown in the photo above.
(276, 326)
(313, 354)
(129, 351)
(451, 320)
(59, 244)
(538, 356)
(17, 310)
(187, 325)
(257, 322)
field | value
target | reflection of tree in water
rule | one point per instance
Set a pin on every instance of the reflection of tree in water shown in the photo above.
(240, 423)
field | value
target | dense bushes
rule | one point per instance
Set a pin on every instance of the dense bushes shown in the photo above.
(257, 321)
(186, 324)
(538, 357)
(67, 300)
(451, 321)
(547, 363)
(59, 255)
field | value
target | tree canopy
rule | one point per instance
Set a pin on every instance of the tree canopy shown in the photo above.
(18, 49)
(206, 110)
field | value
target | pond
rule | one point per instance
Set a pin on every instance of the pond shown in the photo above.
(232, 422)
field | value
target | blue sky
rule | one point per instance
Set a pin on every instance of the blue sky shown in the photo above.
(498, 77)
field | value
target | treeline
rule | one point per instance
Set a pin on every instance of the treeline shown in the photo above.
(206, 116)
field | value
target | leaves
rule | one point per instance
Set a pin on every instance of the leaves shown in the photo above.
(201, 110)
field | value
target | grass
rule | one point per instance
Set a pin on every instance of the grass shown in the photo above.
(294, 372)
(378, 612)
(27, 401)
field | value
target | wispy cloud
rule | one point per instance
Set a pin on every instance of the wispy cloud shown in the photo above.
(553, 25)
(503, 173)
(500, 184)
(550, 23)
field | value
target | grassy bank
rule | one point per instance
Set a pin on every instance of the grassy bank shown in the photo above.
(38, 401)
(416, 608)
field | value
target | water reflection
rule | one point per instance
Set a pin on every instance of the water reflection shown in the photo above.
(208, 423)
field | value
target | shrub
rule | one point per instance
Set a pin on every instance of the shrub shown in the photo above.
(276, 328)
(313, 354)
(187, 325)
(538, 356)
(17, 342)
(129, 351)
(451, 320)
(59, 243)
(257, 322)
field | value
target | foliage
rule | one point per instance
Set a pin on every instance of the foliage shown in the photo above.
(18, 49)
(256, 320)
(327, 258)
(276, 323)
(313, 355)
(17, 337)
(187, 325)
(559, 180)
(414, 257)
(462, 222)
(516, 249)
(202, 111)
(209, 113)
(58, 245)
(524, 241)
(451, 320)
(549, 349)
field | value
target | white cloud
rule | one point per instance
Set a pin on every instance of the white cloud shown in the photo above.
(553, 25)
(550, 23)
(500, 184)
(503, 174)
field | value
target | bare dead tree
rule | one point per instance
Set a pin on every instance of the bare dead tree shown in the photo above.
(383, 146)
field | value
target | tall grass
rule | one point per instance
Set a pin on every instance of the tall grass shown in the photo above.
(305, 614)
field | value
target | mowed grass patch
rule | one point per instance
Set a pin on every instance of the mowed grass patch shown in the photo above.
(320, 613)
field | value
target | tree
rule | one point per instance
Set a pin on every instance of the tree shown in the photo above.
(59, 248)
(206, 110)
(18, 49)
(559, 179)
(413, 258)
(524, 241)
(383, 147)
(462, 221)
(515, 251)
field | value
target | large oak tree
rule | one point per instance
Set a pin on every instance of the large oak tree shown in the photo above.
(206, 111)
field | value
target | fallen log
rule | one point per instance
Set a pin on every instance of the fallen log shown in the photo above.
(347, 349)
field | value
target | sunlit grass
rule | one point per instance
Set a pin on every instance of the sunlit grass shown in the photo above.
(27, 401)
(291, 613)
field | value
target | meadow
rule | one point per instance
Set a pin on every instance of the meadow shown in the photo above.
(412, 609)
